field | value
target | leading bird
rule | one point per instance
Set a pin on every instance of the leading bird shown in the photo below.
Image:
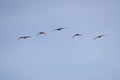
(59, 29)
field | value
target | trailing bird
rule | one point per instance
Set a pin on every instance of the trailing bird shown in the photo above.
(41, 33)
(59, 29)
(99, 36)
(76, 35)
(24, 37)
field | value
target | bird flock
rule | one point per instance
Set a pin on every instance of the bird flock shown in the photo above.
(59, 29)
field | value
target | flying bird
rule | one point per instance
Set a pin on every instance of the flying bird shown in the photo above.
(24, 37)
(59, 29)
(41, 33)
(76, 35)
(99, 37)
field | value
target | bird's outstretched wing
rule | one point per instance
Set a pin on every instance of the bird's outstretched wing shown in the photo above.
(19, 38)
(95, 38)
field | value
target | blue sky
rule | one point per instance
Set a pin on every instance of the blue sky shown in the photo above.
(57, 56)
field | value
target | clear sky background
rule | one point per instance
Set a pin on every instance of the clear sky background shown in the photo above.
(57, 56)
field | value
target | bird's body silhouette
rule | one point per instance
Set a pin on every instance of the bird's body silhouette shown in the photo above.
(59, 29)
(76, 35)
(99, 37)
(41, 33)
(24, 37)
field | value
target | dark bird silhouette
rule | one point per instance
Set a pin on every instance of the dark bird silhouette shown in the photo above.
(59, 29)
(76, 35)
(41, 33)
(99, 36)
(24, 37)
